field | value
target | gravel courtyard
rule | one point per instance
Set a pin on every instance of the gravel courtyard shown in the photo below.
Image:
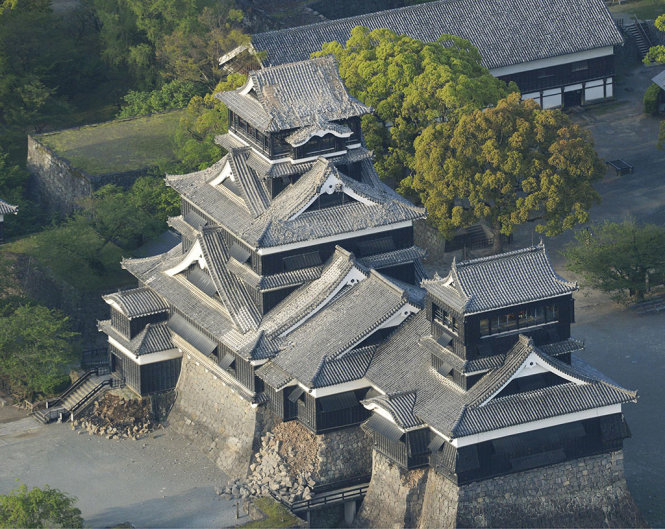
(159, 481)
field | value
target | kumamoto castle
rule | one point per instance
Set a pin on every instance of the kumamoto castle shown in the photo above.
(297, 295)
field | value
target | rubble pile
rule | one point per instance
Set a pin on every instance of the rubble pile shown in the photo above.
(117, 418)
(284, 466)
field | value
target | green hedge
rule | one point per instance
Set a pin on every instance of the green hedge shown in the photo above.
(651, 99)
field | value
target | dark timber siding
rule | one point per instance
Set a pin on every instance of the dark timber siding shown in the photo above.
(273, 264)
(564, 74)
(160, 376)
(525, 451)
(126, 369)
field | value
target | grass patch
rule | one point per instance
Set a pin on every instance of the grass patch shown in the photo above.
(276, 515)
(642, 9)
(72, 265)
(117, 146)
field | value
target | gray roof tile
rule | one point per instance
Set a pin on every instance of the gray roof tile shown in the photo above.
(506, 32)
(294, 95)
(275, 226)
(345, 321)
(403, 364)
(400, 406)
(6, 208)
(154, 338)
(659, 79)
(137, 302)
(499, 281)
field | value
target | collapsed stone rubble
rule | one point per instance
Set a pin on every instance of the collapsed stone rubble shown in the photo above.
(117, 418)
(284, 466)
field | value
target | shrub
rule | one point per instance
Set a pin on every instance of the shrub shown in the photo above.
(651, 99)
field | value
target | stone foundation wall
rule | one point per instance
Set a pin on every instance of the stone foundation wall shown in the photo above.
(57, 184)
(587, 492)
(430, 239)
(343, 454)
(217, 420)
(395, 496)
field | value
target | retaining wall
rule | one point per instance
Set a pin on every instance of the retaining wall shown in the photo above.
(587, 492)
(218, 421)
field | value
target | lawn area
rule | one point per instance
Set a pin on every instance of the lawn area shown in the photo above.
(642, 9)
(276, 515)
(87, 272)
(117, 146)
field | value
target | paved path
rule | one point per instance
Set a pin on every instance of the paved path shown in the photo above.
(156, 482)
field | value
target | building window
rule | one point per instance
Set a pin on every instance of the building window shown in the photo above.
(519, 320)
(579, 66)
(444, 318)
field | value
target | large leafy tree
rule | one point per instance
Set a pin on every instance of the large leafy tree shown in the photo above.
(624, 259)
(411, 85)
(44, 61)
(36, 350)
(656, 54)
(39, 507)
(176, 39)
(506, 165)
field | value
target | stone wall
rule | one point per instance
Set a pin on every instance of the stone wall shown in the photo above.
(343, 454)
(56, 183)
(218, 421)
(429, 238)
(395, 496)
(587, 492)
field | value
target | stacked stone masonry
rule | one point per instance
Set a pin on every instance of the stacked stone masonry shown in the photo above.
(226, 427)
(588, 492)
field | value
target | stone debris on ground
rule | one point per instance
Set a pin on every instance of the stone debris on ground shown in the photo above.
(284, 466)
(117, 418)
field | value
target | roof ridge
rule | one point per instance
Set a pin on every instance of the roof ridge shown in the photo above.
(356, 17)
(503, 255)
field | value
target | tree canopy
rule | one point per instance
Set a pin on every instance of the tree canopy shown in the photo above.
(411, 85)
(205, 118)
(656, 54)
(624, 259)
(39, 507)
(506, 165)
(171, 39)
(36, 348)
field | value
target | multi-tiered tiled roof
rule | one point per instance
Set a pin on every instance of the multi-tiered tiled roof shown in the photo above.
(285, 219)
(506, 32)
(296, 95)
(498, 281)
(403, 364)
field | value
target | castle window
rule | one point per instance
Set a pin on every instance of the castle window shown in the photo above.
(524, 318)
(444, 318)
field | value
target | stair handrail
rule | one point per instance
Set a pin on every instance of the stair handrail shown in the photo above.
(642, 32)
(80, 405)
(81, 380)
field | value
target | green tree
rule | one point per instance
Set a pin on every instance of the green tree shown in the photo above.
(150, 195)
(205, 118)
(411, 85)
(619, 258)
(38, 508)
(174, 94)
(175, 39)
(36, 350)
(656, 54)
(506, 165)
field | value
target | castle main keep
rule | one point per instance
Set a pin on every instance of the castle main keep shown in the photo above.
(297, 294)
